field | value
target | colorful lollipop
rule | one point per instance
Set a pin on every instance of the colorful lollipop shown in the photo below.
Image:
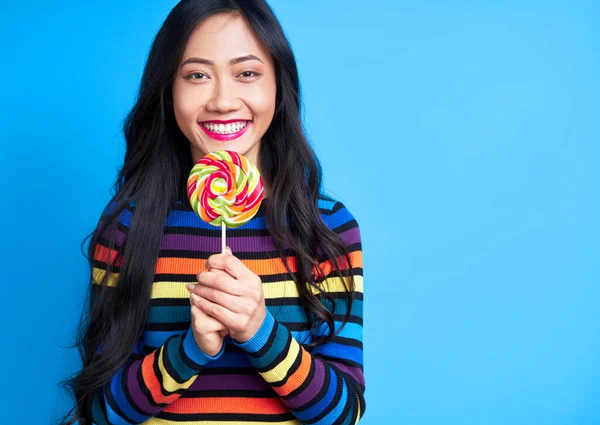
(225, 189)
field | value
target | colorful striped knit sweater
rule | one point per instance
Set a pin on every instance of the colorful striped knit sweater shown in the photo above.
(272, 378)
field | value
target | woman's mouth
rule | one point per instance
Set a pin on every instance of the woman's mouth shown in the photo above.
(225, 131)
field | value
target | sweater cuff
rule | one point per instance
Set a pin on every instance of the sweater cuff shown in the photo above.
(194, 353)
(261, 336)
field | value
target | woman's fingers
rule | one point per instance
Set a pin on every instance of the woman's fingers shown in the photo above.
(217, 311)
(208, 321)
(230, 302)
(220, 280)
(229, 263)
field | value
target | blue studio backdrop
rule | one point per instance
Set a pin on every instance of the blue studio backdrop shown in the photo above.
(460, 134)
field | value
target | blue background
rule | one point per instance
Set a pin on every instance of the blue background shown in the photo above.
(460, 134)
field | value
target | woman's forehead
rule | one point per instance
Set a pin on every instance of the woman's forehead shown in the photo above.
(222, 35)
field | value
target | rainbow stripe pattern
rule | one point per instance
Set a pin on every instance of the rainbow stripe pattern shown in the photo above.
(273, 378)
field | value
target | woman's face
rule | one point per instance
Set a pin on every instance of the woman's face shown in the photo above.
(225, 75)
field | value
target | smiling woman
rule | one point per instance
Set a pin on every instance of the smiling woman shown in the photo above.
(272, 331)
(222, 100)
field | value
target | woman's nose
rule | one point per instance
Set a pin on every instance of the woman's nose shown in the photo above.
(224, 97)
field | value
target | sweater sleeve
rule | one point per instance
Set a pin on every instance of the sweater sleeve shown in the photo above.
(145, 384)
(325, 385)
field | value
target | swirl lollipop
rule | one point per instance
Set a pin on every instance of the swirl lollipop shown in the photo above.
(225, 189)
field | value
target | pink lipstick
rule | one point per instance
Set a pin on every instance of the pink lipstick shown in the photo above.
(225, 137)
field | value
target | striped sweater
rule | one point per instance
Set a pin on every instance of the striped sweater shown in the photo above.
(271, 379)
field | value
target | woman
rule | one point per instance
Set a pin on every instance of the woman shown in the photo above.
(177, 333)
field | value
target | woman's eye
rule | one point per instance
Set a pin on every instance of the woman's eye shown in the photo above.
(189, 77)
(245, 74)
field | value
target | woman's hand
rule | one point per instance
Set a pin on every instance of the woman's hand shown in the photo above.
(208, 332)
(231, 294)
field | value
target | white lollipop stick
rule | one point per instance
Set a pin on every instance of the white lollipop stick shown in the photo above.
(223, 227)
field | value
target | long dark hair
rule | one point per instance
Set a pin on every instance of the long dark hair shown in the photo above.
(154, 175)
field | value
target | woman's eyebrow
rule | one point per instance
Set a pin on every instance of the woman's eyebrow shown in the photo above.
(231, 62)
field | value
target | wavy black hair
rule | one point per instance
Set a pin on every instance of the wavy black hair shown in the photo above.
(154, 175)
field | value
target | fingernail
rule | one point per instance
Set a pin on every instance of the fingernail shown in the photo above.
(195, 297)
(228, 250)
(190, 287)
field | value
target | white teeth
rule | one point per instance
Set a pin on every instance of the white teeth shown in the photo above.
(226, 128)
